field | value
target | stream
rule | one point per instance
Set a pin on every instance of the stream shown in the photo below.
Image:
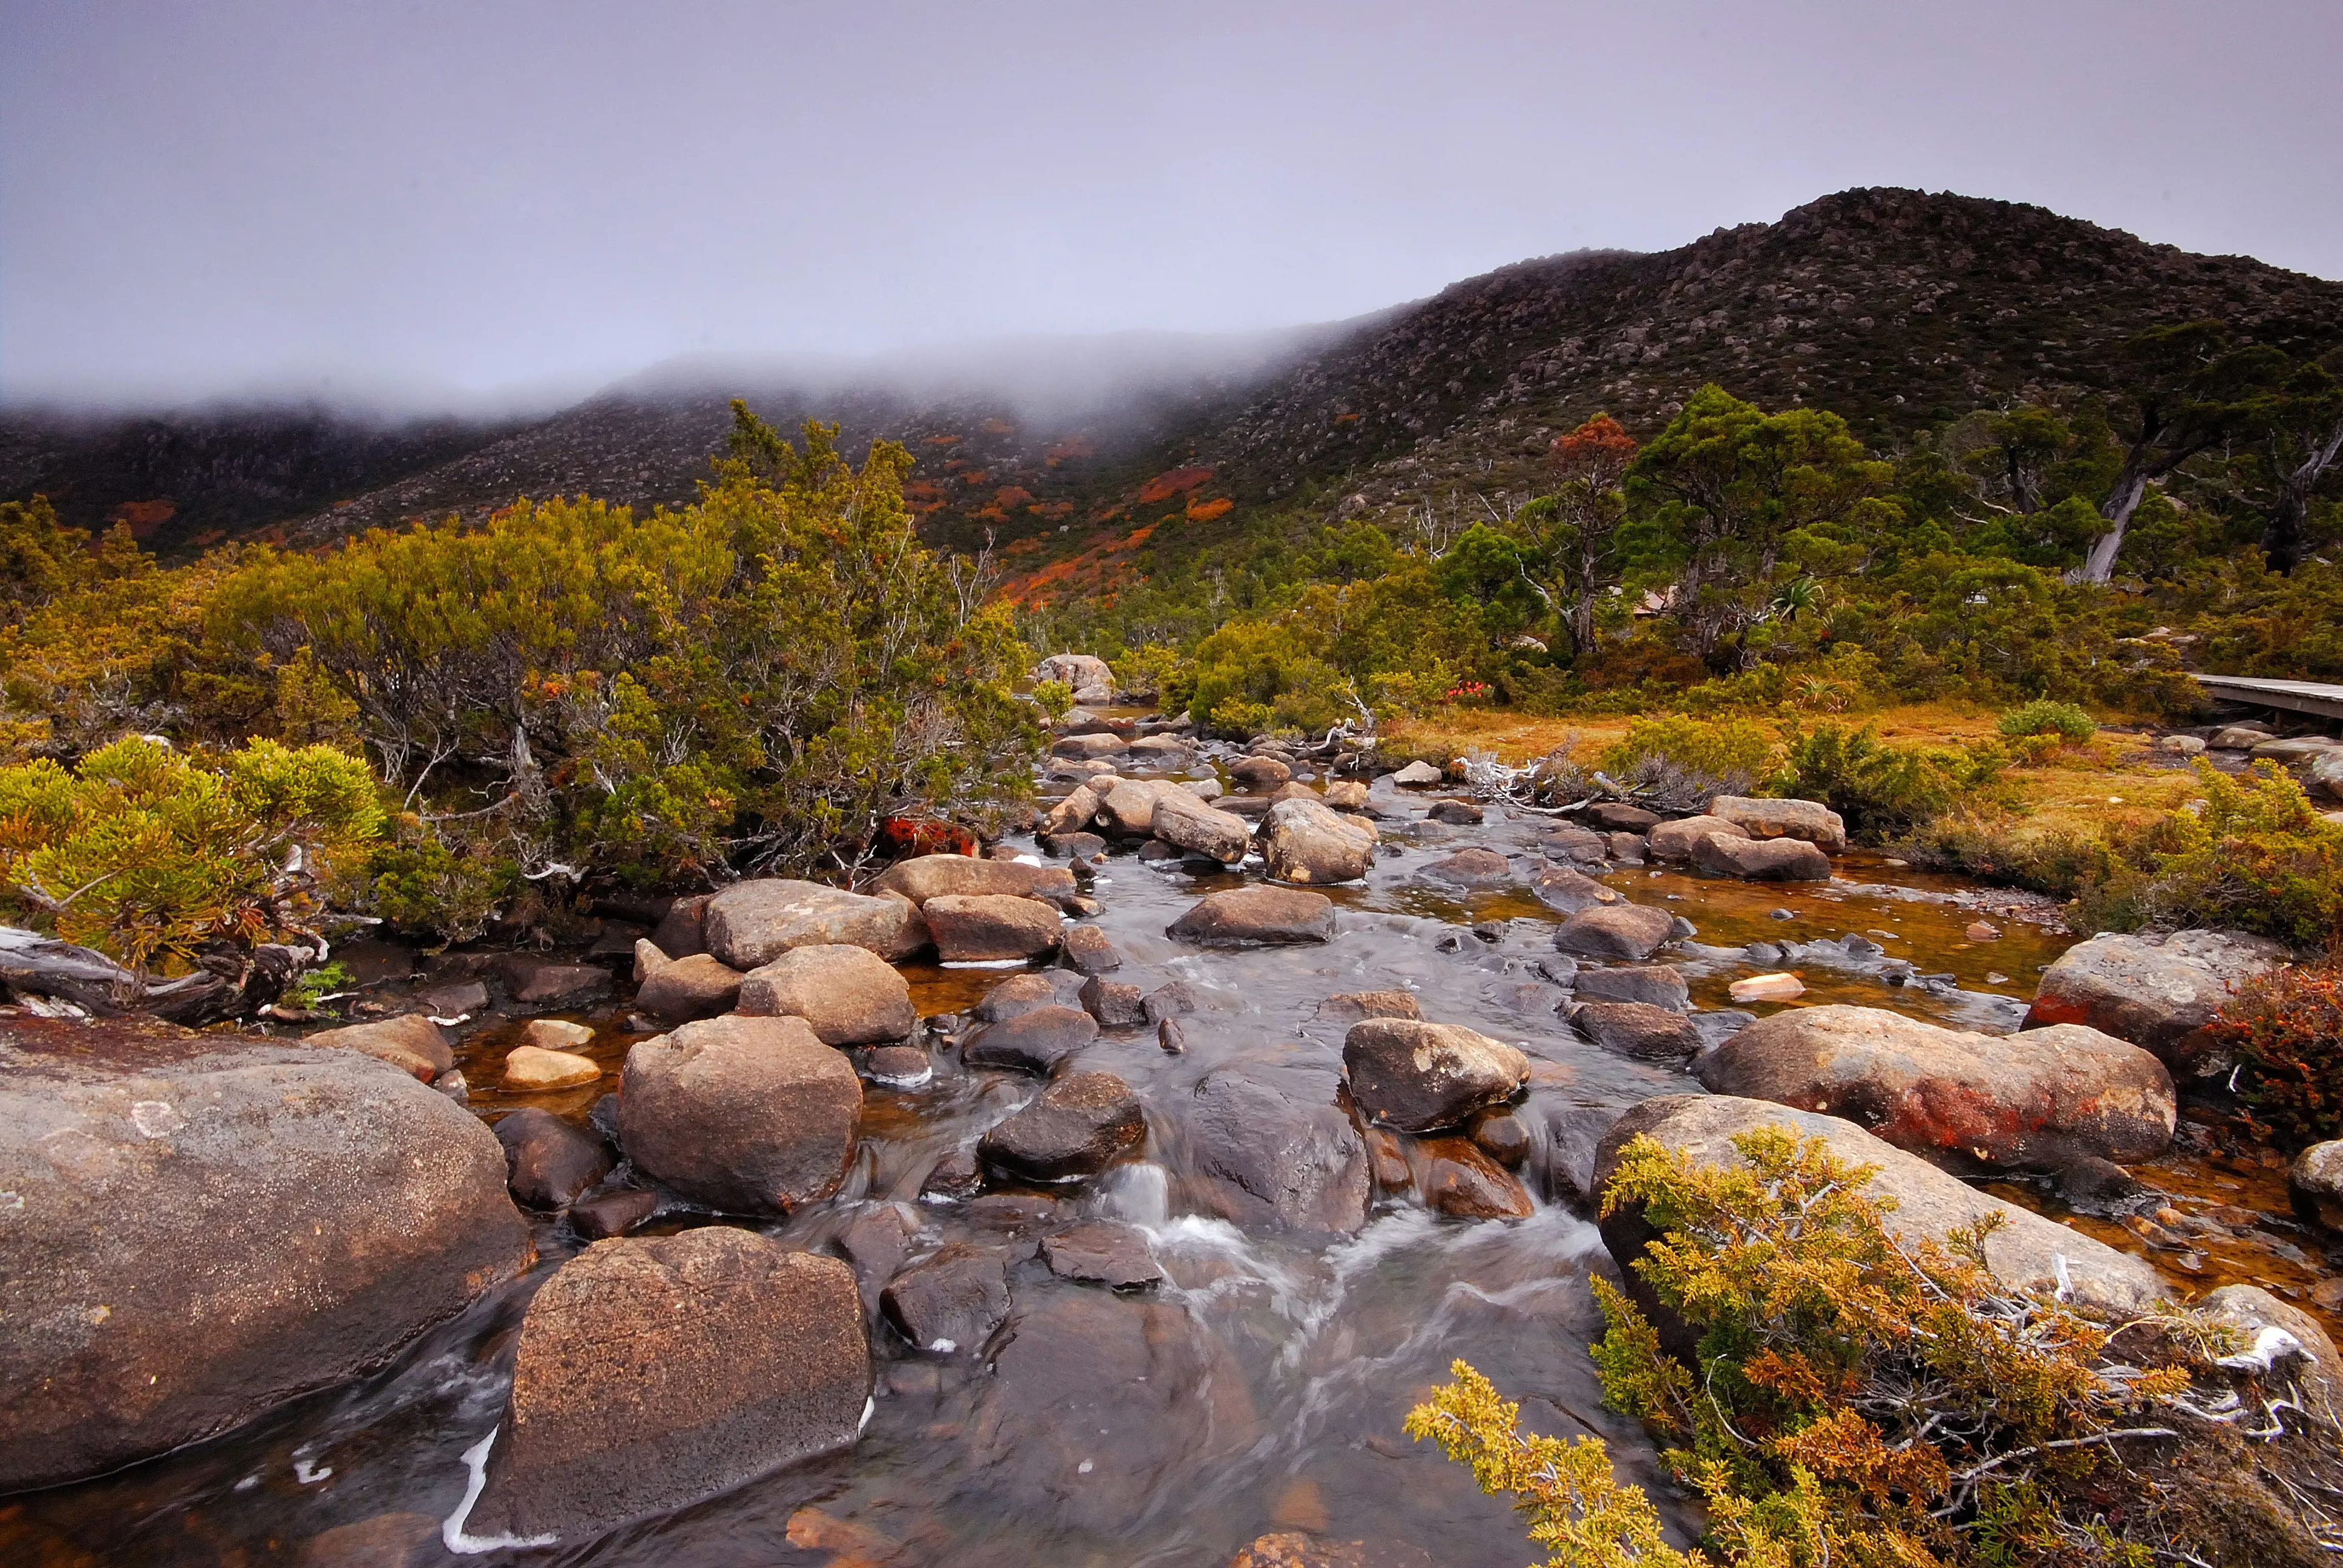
(1262, 1387)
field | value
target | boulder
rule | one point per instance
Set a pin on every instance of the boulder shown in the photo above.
(933, 876)
(696, 987)
(1073, 846)
(1183, 821)
(2325, 775)
(1561, 888)
(1762, 860)
(1113, 1004)
(991, 928)
(1347, 795)
(682, 930)
(1676, 840)
(1577, 845)
(1072, 814)
(1352, 1007)
(950, 1301)
(1637, 1029)
(549, 1163)
(1969, 1103)
(1075, 671)
(1089, 747)
(1260, 1156)
(1128, 809)
(199, 1228)
(1459, 1179)
(849, 994)
(1255, 916)
(1470, 869)
(2309, 1362)
(2026, 1252)
(2179, 745)
(1208, 789)
(657, 1370)
(2239, 737)
(1417, 775)
(1087, 950)
(454, 1002)
(1309, 842)
(1653, 985)
(1081, 1124)
(1622, 931)
(411, 1043)
(748, 1115)
(1809, 820)
(750, 924)
(2314, 1183)
(876, 1241)
(1032, 1041)
(1456, 813)
(1415, 1076)
(534, 982)
(2293, 751)
(1260, 773)
(1161, 750)
(1102, 1253)
(1619, 817)
(1502, 1136)
(607, 1214)
(2156, 991)
(1018, 993)
(556, 1034)
(533, 1069)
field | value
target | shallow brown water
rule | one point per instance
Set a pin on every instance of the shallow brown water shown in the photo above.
(1299, 1360)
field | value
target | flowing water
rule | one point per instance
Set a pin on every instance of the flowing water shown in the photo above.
(1261, 1388)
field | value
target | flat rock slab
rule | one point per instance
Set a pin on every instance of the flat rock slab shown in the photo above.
(1081, 1124)
(935, 876)
(1654, 985)
(1256, 916)
(849, 995)
(1032, 1041)
(748, 1115)
(1971, 1102)
(1102, 1253)
(1352, 1007)
(749, 924)
(1416, 1076)
(532, 1068)
(2157, 992)
(1570, 890)
(1470, 869)
(413, 1044)
(297, 1214)
(2025, 1253)
(654, 1372)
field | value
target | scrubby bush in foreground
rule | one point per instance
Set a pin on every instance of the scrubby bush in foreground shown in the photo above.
(1856, 1397)
(2285, 1028)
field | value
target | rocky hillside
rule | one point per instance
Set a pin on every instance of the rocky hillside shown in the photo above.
(1897, 308)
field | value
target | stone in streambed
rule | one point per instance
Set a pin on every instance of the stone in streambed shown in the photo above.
(534, 982)
(1183, 821)
(750, 1115)
(1415, 1076)
(1654, 985)
(1088, 951)
(607, 1214)
(1032, 1041)
(295, 1215)
(551, 1162)
(1081, 1124)
(1309, 842)
(2315, 1183)
(1809, 821)
(1470, 869)
(1260, 1156)
(1676, 840)
(1561, 888)
(848, 994)
(697, 987)
(652, 1373)
(1637, 1029)
(412, 1043)
(1260, 773)
(991, 928)
(1256, 916)
(1631, 931)
(556, 1034)
(876, 1241)
(930, 877)
(1353, 1007)
(750, 924)
(1967, 1101)
(950, 1302)
(1113, 1004)
(2160, 993)
(1102, 1253)
(532, 1069)
(1458, 1179)
(1456, 813)
(1762, 860)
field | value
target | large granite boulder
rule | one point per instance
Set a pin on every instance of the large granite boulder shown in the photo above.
(1969, 1103)
(1637, 1029)
(1255, 916)
(1761, 860)
(2026, 1251)
(654, 1372)
(748, 1115)
(1184, 821)
(2315, 1184)
(750, 924)
(1076, 1128)
(993, 928)
(1566, 888)
(1259, 1156)
(1630, 931)
(1078, 672)
(1416, 1076)
(1127, 810)
(934, 876)
(849, 994)
(2156, 991)
(1810, 820)
(199, 1228)
(1072, 814)
(1310, 841)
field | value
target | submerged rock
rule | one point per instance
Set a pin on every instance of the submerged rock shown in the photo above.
(1416, 1076)
(1259, 1156)
(1470, 869)
(950, 1301)
(1102, 1253)
(2156, 991)
(1352, 1007)
(654, 1372)
(2026, 1251)
(750, 1115)
(200, 1228)
(848, 994)
(1968, 1101)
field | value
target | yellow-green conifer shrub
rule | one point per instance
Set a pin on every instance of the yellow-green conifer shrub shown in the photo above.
(147, 854)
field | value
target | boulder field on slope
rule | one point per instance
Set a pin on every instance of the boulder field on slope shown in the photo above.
(2034, 1100)
(2025, 1251)
(295, 1215)
(654, 1372)
(2156, 991)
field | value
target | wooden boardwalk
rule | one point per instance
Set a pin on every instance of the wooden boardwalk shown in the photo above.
(2295, 695)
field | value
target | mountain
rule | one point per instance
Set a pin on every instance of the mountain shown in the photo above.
(1898, 309)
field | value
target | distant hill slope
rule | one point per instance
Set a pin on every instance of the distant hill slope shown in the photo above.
(1898, 309)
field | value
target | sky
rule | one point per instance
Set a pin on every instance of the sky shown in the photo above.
(421, 203)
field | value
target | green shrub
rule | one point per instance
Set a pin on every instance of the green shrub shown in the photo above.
(1881, 790)
(1055, 698)
(2044, 716)
(2286, 1026)
(1734, 752)
(2256, 857)
(150, 855)
(1994, 846)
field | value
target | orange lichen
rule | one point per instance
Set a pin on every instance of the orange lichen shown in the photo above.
(1163, 487)
(1205, 511)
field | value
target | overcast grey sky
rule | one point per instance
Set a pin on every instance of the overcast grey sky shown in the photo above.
(419, 199)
